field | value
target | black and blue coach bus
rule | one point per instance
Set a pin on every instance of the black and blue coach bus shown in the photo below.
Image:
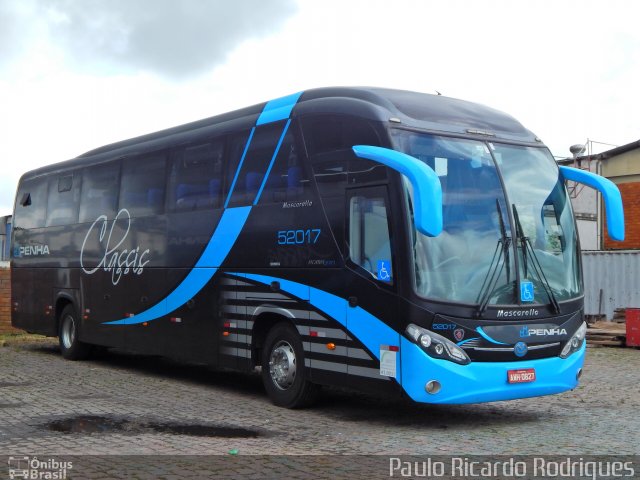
(385, 240)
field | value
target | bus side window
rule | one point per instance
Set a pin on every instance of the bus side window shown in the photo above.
(195, 180)
(332, 137)
(369, 239)
(63, 199)
(288, 179)
(99, 192)
(250, 174)
(142, 185)
(328, 133)
(31, 207)
(330, 171)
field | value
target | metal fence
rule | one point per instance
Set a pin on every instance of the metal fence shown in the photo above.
(611, 280)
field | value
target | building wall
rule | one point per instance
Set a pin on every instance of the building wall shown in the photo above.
(631, 200)
(5, 237)
(5, 301)
(588, 233)
(624, 171)
(623, 167)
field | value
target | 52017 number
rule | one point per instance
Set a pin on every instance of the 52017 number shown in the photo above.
(298, 237)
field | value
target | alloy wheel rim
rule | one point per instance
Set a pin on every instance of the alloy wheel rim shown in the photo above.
(68, 331)
(282, 365)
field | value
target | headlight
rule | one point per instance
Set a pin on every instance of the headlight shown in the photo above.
(436, 345)
(575, 342)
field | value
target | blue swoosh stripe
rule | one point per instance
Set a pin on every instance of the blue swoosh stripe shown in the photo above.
(273, 159)
(488, 338)
(227, 231)
(235, 177)
(221, 242)
(368, 329)
(278, 109)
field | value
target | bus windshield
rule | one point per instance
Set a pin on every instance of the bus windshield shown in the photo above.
(543, 213)
(473, 260)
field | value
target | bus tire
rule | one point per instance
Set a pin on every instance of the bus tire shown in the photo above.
(70, 346)
(284, 374)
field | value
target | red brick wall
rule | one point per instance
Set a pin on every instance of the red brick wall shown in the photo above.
(631, 201)
(5, 301)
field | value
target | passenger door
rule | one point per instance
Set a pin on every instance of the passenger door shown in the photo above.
(371, 285)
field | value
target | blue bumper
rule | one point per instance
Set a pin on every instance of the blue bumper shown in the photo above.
(484, 382)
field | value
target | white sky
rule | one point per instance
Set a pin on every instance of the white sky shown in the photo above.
(78, 74)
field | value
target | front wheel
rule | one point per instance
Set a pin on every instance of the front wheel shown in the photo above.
(70, 346)
(283, 372)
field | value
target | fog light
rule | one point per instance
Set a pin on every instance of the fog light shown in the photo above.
(578, 374)
(432, 387)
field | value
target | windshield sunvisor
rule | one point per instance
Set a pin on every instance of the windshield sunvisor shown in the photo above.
(425, 182)
(610, 193)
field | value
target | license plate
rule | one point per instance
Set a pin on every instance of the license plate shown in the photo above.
(524, 375)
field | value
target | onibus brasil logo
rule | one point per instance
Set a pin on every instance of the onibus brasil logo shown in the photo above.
(35, 468)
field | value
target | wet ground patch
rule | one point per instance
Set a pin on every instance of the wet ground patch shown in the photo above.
(89, 424)
(14, 384)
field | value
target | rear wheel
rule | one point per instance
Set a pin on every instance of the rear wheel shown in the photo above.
(283, 372)
(70, 345)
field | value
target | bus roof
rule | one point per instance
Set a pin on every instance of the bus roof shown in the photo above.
(435, 113)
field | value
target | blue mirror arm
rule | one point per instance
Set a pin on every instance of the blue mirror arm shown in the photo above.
(427, 190)
(610, 193)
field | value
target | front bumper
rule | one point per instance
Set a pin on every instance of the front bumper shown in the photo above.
(484, 381)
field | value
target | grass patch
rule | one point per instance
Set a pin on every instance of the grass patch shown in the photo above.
(7, 339)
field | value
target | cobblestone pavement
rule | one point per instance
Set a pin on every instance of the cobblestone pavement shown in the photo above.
(122, 404)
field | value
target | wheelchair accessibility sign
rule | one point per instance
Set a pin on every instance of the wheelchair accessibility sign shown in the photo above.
(526, 291)
(384, 270)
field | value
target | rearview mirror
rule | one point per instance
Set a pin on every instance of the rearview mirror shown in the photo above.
(610, 193)
(427, 189)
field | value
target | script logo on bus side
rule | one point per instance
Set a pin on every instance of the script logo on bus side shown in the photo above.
(518, 313)
(301, 204)
(118, 262)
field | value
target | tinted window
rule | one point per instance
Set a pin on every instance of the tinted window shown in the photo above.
(330, 140)
(31, 204)
(142, 185)
(330, 171)
(329, 133)
(288, 179)
(237, 146)
(248, 182)
(336, 170)
(63, 199)
(369, 241)
(99, 192)
(195, 181)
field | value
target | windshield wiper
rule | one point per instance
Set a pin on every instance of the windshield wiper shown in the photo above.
(495, 267)
(527, 249)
